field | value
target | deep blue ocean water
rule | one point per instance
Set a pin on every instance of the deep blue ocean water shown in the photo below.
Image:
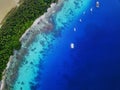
(94, 62)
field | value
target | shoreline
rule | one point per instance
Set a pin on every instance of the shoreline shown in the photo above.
(26, 39)
(6, 14)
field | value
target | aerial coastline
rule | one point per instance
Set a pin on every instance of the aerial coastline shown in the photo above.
(60, 45)
(15, 24)
(10, 72)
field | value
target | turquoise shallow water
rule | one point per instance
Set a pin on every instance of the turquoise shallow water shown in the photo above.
(42, 44)
(81, 53)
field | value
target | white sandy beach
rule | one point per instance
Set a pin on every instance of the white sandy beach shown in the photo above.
(6, 6)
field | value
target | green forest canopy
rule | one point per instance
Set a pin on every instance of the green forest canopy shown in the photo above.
(16, 24)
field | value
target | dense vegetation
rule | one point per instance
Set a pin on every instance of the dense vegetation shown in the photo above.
(15, 25)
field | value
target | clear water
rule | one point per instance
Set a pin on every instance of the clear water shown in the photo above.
(93, 63)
